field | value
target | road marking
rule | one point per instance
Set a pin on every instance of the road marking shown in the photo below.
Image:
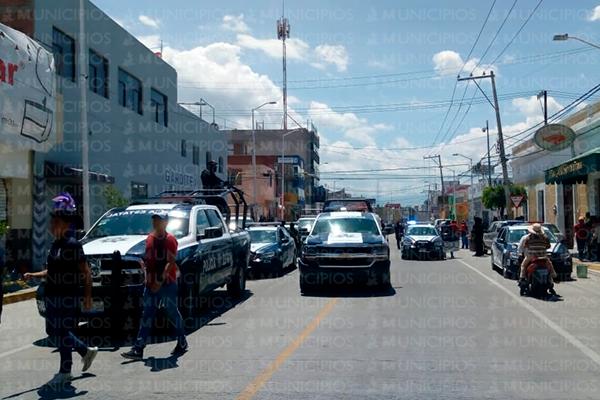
(254, 387)
(13, 351)
(595, 357)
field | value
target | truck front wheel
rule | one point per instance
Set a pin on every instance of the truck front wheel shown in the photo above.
(237, 286)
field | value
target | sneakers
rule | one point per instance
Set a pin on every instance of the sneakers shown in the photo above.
(179, 349)
(60, 379)
(89, 357)
(133, 354)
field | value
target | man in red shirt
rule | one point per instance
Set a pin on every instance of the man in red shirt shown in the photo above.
(161, 286)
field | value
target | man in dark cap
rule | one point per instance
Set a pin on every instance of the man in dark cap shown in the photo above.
(66, 271)
(210, 180)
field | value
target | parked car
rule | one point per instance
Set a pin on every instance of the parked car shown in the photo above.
(422, 241)
(304, 225)
(208, 256)
(505, 254)
(492, 232)
(272, 249)
(345, 248)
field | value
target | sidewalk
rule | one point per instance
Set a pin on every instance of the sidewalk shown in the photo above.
(594, 265)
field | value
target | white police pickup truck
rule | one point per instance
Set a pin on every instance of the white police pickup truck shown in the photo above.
(209, 256)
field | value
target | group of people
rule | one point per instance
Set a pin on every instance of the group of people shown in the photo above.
(67, 270)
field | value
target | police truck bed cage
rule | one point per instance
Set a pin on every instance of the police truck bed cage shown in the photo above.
(212, 197)
(363, 205)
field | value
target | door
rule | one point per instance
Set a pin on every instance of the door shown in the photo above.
(222, 247)
(568, 214)
(287, 246)
(204, 253)
(498, 247)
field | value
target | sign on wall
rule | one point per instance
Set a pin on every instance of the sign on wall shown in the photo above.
(554, 137)
(27, 93)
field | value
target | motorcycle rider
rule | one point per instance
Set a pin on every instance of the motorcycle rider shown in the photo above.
(534, 245)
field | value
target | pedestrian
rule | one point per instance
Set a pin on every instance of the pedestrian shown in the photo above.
(294, 234)
(399, 231)
(477, 236)
(581, 237)
(161, 287)
(589, 224)
(66, 271)
(464, 235)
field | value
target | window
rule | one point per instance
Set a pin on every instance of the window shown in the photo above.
(139, 190)
(201, 222)
(220, 170)
(130, 92)
(208, 158)
(158, 105)
(214, 219)
(98, 76)
(183, 148)
(63, 47)
(196, 155)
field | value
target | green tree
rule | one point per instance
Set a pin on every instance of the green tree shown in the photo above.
(113, 197)
(493, 197)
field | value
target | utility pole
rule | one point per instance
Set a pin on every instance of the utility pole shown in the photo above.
(544, 94)
(489, 151)
(503, 160)
(85, 155)
(440, 166)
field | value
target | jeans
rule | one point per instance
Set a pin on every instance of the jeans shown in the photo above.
(465, 241)
(167, 296)
(61, 321)
(581, 244)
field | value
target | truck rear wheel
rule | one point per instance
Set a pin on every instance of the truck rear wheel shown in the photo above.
(237, 286)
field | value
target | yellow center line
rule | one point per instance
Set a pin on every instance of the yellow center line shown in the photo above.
(254, 387)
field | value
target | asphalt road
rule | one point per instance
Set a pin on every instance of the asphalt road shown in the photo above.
(450, 329)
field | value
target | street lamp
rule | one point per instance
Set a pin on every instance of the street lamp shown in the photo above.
(471, 205)
(565, 36)
(254, 149)
(283, 169)
(201, 103)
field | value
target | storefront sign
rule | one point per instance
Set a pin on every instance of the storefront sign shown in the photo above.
(554, 137)
(179, 178)
(566, 169)
(294, 160)
(27, 93)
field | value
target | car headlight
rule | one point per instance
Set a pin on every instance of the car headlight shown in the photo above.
(269, 254)
(438, 242)
(408, 241)
(513, 255)
(565, 256)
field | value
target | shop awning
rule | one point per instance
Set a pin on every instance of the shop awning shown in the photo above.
(576, 169)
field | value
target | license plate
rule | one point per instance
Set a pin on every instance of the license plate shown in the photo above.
(422, 251)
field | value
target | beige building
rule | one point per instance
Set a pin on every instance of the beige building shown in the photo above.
(563, 185)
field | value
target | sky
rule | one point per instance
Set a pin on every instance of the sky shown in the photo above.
(377, 78)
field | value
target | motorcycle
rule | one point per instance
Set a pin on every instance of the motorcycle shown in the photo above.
(538, 279)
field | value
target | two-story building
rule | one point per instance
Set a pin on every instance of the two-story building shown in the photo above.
(141, 142)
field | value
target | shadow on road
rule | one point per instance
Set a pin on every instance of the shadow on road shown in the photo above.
(265, 275)
(66, 391)
(350, 292)
(211, 306)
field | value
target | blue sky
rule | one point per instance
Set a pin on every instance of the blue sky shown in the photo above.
(374, 76)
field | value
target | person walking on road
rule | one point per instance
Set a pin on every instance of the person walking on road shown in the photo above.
(477, 236)
(66, 271)
(399, 231)
(161, 287)
(464, 235)
(582, 234)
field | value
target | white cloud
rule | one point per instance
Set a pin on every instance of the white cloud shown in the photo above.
(354, 128)
(595, 14)
(235, 23)
(530, 107)
(296, 49)
(149, 21)
(332, 54)
(449, 62)
(378, 64)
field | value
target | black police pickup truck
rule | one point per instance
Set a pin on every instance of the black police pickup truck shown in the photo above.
(345, 247)
(209, 256)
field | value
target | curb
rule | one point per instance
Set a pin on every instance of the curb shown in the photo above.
(21, 295)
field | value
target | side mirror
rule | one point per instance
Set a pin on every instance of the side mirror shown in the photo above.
(79, 234)
(212, 233)
(303, 231)
(285, 239)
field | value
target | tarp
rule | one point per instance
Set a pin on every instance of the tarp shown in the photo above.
(27, 93)
(576, 169)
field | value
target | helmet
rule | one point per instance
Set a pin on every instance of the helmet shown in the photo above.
(64, 207)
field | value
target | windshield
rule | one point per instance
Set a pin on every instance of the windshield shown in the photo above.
(137, 222)
(345, 225)
(263, 236)
(422, 231)
(515, 235)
